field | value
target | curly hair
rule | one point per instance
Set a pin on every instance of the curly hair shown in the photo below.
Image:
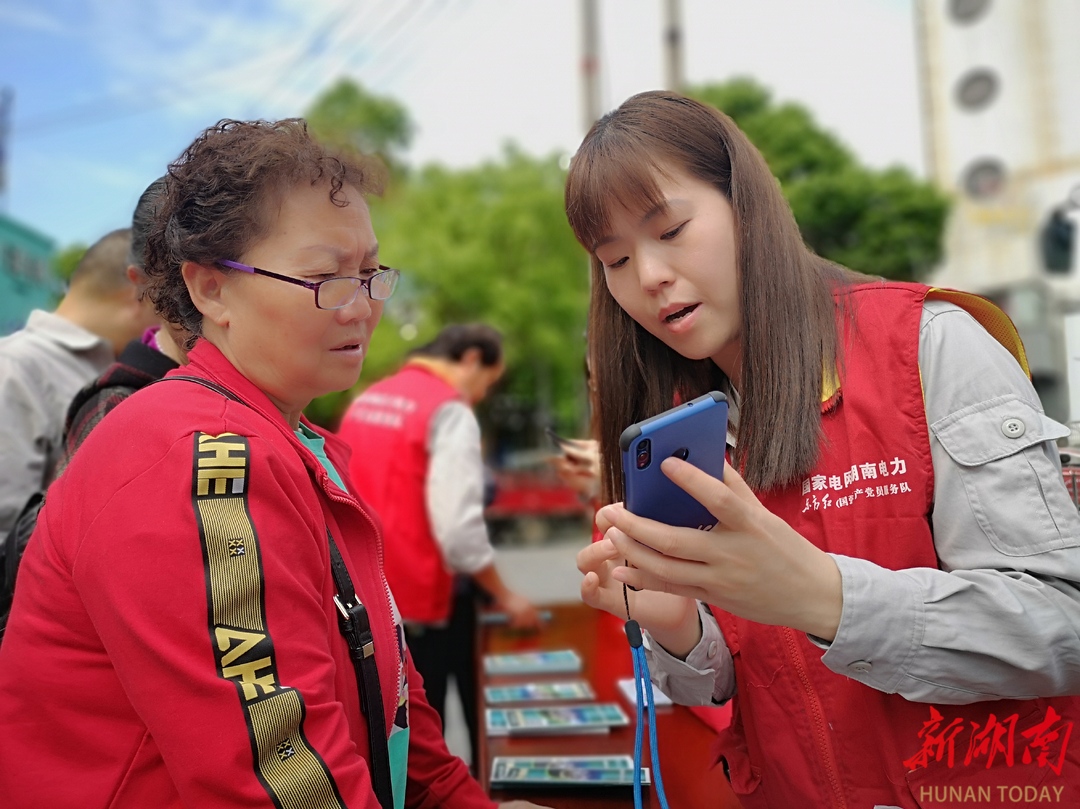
(220, 197)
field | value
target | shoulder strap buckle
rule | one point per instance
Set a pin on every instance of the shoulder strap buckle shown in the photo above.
(342, 609)
(356, 628)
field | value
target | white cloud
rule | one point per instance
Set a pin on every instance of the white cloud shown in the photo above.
(490, 70)
(852, 62)
(188, 56)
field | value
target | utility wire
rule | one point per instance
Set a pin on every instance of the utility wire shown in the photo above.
(118, 105)
(376, 42)
(384, 69)
(335, 29)
(308, 56)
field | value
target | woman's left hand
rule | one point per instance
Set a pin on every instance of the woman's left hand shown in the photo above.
(579, 466)
(752, 564)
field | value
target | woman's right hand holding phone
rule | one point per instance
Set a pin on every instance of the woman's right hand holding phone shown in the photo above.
(672, 620)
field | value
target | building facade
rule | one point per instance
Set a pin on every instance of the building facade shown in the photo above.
(1000, 82)
(26, 278)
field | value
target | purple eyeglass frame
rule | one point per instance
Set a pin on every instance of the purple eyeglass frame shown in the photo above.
(364, 283)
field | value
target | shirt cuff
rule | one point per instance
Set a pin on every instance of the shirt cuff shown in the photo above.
(707, 675)
(881, 624)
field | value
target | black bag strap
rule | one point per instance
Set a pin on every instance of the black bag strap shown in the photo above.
(206, 383)
(356, 629)
(355, 626)
(13, 546)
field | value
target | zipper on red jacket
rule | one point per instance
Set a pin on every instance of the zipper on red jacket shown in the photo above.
(399, 663)
(817, 719)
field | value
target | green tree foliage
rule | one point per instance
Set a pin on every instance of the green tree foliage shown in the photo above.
(65, 261)
(492, 244)
(884, 223)
(487, 244)
(347, 115)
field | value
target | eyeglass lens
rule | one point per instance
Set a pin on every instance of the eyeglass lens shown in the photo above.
(340, 292)
(382, 285)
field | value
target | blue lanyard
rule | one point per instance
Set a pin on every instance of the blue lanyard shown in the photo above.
(641, 675)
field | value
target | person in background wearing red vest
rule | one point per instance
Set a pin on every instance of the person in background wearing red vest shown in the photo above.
(894, 571)
(417, 461)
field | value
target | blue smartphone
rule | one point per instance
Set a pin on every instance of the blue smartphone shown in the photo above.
(696, 432)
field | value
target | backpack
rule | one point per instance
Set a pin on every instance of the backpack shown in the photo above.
(12, 550)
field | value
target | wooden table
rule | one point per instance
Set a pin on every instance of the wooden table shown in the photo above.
(686, 761)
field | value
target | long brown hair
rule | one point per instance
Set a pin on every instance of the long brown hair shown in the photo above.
(788, 329)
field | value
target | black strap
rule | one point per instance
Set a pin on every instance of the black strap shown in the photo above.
(356, 629)
(206, 383)
(13, 546)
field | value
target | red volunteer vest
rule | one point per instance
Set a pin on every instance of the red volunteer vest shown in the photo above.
(387, 427)
(802, 735)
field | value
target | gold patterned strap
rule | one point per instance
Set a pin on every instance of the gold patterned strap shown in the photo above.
(288, 767)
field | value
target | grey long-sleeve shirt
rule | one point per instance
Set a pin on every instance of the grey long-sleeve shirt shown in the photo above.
(42, 367)
(1001, 618)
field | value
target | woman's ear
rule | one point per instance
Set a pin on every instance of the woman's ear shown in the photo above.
(206, 286)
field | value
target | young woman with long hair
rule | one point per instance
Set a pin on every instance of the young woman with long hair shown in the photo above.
(893, 576)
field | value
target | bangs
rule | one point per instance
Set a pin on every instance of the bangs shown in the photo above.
(610, 171)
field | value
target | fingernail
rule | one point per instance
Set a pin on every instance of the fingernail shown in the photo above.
(621, 578)
(619, 575)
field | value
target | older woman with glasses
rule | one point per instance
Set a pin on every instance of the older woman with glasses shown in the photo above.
(201, 617)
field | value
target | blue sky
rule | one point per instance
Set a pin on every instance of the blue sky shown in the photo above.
(107, 92)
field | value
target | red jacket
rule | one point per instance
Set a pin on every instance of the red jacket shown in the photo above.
(802, 735)
(387, 427)
(121, 687)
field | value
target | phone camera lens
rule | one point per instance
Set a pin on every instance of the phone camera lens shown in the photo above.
(644, 454)
(682, 453)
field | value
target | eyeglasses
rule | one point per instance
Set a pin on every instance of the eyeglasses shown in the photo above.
(334, 293)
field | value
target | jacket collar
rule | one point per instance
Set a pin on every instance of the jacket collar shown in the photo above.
(206, 360)
(830, 389)
(432, 368)
(65, 332)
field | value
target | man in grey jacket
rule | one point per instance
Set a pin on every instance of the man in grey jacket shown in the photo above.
(44, 364)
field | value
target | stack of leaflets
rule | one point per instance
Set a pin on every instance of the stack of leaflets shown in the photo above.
(510, 771)
(594, 717)
(626, 686)
(539, 692)
(551, 662)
